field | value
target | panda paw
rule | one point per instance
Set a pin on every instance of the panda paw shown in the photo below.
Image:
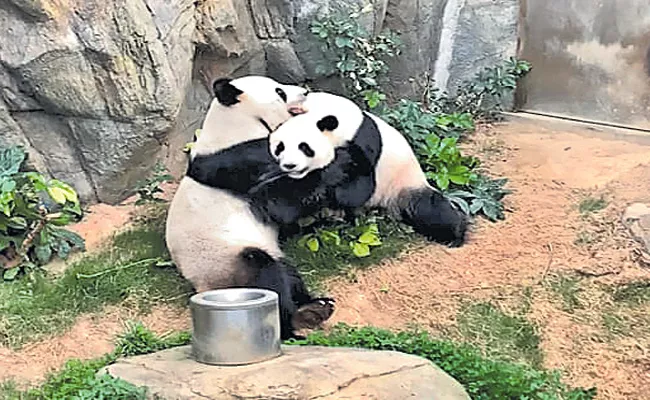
(311, 315)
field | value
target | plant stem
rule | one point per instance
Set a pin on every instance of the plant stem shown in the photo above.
(107, 271)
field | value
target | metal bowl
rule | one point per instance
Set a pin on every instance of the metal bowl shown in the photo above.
(235, 326)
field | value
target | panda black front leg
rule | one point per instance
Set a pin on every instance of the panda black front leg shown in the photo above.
(297, 308)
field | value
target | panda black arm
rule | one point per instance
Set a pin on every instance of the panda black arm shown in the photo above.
(358, 160)
(351, 178)
(237, 168)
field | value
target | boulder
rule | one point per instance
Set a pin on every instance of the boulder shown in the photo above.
(94, 86)
(419, 24)
(299, 373)
(486, 35)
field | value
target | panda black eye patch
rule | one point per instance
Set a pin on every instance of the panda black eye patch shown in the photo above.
(328, 123)
(304, 147)
(279, 149)
(282, 94)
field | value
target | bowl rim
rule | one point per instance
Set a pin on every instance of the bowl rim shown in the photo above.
(268, 297)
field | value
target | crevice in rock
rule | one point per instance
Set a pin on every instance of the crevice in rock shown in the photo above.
(362, 377)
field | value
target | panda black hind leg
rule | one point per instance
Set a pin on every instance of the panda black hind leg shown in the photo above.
(295, 303)
(433, 215)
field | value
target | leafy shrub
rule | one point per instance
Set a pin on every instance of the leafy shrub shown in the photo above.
(359, 237)
(432, 126)
(147, 189)
(482, 378)
(31, 231)
(329, 245)
(140, 340)
(483, 96)
(485, 196)
(356, 57)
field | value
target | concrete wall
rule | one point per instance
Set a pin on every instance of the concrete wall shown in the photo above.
(591, 59)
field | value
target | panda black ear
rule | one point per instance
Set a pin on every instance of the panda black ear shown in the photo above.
(328, 123)
(225, 92)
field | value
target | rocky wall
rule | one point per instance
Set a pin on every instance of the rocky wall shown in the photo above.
(98, 91)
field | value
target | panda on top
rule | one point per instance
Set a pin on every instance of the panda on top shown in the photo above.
(391, 177)
(213, 235)
(361, 161)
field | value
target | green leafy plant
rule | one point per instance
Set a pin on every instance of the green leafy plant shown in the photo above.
(147, 189)
(483, 378)
(138, 339)
(360, 237)
(433, 125)
(357, 57)
(482, 96)
(33, 210)
(485, 196)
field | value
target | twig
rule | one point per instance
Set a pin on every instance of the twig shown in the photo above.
(29, 239)
(550, 262)
(108, 271)
(475, 288)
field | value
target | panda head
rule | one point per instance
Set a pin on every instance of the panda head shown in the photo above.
(304, 144)
(260, 97)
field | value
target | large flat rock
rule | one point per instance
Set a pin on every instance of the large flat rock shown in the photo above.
(301, 373)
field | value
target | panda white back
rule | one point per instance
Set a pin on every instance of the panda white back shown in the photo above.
(207, 227)
(397, 169)
(397, 182)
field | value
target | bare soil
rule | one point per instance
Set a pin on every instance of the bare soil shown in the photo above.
(551, 171)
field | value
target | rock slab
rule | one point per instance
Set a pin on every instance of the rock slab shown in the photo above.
(300, 373)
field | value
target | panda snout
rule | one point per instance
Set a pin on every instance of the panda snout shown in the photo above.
(288, 167)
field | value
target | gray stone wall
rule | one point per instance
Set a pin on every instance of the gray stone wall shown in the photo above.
(97, 91)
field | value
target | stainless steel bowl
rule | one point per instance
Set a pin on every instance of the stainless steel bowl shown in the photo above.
(235, 326)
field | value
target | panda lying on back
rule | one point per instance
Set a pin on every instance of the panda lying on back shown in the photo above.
(378, 166)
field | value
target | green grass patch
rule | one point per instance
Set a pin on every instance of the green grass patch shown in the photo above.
(78, 379)
(482, 377)
(616, 324)
(568, 289)
(633, 293)
(37, 305)
(500, 335)
(590, 205)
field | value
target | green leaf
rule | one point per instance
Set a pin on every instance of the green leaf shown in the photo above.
(10, 161)
(370, 238)
(313, 244)
(10, 274)
(73, 238)
(442, 180)
(63, 249)
(43, 253)
(8, 185)
(57, 194)
(476, 206)
(341, 42)
(360, 250)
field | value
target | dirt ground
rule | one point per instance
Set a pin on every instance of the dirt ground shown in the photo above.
(551, 171)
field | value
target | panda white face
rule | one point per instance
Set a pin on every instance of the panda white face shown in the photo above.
(266, 99)
(304, 144)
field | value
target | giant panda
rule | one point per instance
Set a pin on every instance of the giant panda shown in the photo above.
(213, 236)
(395, 181)
(324, 176)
